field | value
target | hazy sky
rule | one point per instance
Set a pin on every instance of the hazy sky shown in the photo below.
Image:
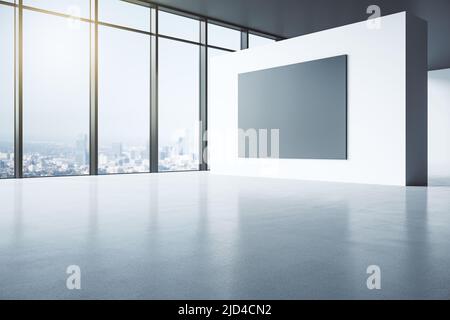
(56, 62)
(56, 80)
(76, 7)
(6, 74)
(124, 86)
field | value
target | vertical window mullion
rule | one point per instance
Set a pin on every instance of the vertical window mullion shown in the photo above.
(244, 39)
(154, 149)
(203, 96)
(18, 74)
(93, 126)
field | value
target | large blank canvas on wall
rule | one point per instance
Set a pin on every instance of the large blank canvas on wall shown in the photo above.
(306, 102)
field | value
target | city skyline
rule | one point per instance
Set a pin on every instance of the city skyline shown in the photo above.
(56, 159)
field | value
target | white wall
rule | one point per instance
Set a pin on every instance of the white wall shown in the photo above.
(376, 104)
(439, 124)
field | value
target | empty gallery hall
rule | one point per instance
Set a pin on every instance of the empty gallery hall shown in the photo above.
(225, 150)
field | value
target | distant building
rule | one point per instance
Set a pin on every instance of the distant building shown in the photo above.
(117, 149)
(82, 155)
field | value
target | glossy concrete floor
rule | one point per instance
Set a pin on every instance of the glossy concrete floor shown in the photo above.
(201, 236)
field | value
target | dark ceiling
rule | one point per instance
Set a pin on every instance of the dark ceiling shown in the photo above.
(290, 18)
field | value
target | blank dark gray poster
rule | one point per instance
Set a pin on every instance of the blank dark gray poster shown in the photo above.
(306, 102)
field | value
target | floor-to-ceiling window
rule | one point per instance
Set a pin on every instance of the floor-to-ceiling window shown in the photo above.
(124, 89)
(56, 84)
(105, 86)
(178, 95)
(6, 91)
(179, 126)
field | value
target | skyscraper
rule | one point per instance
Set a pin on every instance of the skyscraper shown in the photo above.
(82, 156)
(117, 149)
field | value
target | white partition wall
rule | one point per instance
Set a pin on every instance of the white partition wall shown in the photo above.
(386, 90)
(439, 126)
